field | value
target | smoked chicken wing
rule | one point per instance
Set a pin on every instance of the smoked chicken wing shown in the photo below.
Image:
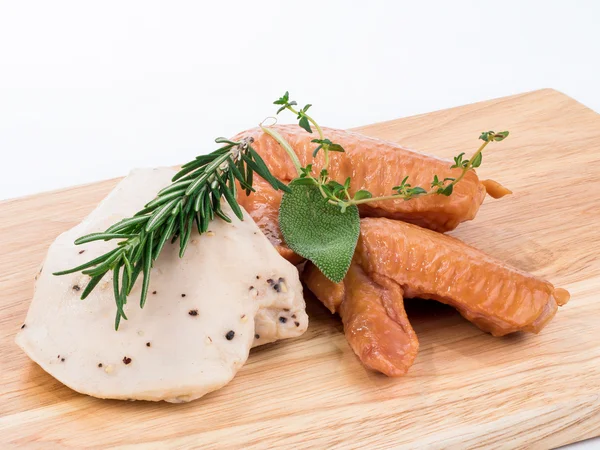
(372, 164)
(496, 297)
(372, 311)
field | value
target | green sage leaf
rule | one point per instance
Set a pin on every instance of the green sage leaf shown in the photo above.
(318, 230)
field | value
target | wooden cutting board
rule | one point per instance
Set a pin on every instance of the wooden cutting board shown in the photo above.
(466, 389)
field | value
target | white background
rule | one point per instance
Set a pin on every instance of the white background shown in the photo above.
(89, 90)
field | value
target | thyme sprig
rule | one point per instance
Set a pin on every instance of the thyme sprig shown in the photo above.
(339, 194)
(194, 198)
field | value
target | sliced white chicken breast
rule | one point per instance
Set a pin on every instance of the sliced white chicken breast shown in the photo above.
(197, 326)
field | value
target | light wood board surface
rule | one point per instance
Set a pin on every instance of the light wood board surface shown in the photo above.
(466, 389)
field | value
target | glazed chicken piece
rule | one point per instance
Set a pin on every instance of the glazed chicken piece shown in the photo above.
(395, 259)
(372, 164)
(372, 311)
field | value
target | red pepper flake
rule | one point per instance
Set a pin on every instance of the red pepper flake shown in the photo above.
(81, 251)
(193, 312)
(126, 360)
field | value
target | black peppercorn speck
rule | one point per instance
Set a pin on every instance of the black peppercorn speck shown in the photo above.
(230, 334)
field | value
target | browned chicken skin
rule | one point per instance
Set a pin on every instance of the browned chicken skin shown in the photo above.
(421, 263)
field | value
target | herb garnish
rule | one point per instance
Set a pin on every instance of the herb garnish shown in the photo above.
(338, 194)
(318, 217)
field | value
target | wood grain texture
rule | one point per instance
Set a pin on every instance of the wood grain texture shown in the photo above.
(466, 389)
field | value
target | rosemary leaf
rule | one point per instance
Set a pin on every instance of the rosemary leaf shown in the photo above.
(147, 260)
(230, 197)
(100, 237)
(106, 265)
(91, 285)
(174, 187)
(126, 223)
(160, 215)
(91, 263)
(136, 273)
(165, 234)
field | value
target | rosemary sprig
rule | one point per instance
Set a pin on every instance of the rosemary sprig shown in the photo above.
(339, 194)
(194, 197)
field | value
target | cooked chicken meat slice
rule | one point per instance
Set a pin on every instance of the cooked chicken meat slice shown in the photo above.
(496, 297)
(197, 326)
